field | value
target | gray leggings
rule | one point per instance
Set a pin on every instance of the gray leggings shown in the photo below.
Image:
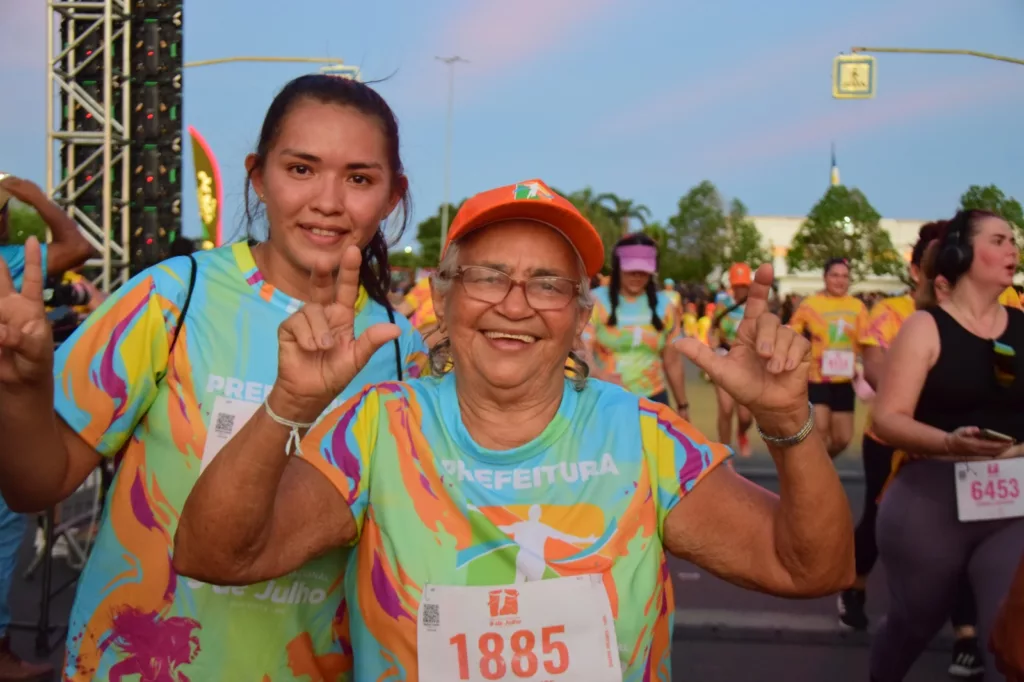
(925, 550)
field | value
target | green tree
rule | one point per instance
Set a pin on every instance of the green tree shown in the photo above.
(624, 211)
(400, 259)
(698, 232)
(991, 198)
(744, 243)
(589, 203)
(428, 234)
(844, 224)
(24, 222)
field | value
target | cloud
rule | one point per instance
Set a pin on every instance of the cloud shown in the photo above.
(670, 107)
(497, 37)
(22, 36)
(815, 132)
(500, 35)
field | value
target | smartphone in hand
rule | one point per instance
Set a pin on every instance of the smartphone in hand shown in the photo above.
(989, 434)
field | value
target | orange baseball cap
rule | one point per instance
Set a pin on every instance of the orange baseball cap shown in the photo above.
(530, 200)
(740, 275)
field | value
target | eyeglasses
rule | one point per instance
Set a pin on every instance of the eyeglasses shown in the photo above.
(492, 286)
(1004, 357)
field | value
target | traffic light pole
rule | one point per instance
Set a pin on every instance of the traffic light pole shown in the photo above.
(916, 50)
(329, 62)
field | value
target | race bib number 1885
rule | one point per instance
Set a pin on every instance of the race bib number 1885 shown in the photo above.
(559, 629)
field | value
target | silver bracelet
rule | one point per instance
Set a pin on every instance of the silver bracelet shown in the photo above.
(294, 439)
(789, 441)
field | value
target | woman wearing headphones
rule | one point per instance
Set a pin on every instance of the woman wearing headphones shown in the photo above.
(952, 392)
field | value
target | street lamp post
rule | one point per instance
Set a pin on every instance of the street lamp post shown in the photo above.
(449, 125)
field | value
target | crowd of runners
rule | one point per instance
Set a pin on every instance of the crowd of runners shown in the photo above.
(484, 480)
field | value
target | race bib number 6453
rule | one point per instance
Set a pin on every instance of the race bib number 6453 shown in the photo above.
(990, 489)
(558, 630)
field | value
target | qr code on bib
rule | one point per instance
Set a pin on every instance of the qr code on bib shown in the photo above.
(225, 425)
(432, 615)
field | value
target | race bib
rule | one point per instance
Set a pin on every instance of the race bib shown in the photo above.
(990, 490)
(837, 363)
(551, 630)
(227, 419)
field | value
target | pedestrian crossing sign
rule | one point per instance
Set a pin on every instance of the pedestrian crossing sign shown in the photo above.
(341, 71)
(854, 76)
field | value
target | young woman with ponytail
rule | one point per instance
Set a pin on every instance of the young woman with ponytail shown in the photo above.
(633, 325)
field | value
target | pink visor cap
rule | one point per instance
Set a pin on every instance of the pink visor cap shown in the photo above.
(637, 258)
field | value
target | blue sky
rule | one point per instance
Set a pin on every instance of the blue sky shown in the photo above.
(644, 98)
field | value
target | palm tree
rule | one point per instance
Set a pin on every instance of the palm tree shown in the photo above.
(624, 211)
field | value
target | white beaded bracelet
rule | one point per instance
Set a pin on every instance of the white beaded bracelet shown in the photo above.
(294, 439)
(789, 441)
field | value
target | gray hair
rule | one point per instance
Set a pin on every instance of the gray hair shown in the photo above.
(441, 281)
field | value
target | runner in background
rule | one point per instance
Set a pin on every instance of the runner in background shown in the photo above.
(418, 306)
(173, 363)
(953, 386)
(633, 325)
(730, 306)
(887, 316)
(673, 295)
(690, 320)
(833, 321)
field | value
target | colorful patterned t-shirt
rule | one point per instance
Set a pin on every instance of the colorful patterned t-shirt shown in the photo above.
(133, 617)
(887, 316)
(832, 323)
(434, 507)
(632, 348)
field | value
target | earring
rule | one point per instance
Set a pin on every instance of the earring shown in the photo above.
(263, 198)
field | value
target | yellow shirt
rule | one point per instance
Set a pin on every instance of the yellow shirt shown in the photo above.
(833, 323)
(1010, 298)
(704, 330)
(690, 325)
(884, 322)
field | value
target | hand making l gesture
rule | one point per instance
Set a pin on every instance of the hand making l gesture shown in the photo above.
(766, 368)
(319, 353)
(26, 342)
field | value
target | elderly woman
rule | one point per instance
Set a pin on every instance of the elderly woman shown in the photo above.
(506, 519)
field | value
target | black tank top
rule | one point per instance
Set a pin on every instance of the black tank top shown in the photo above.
(962, 388)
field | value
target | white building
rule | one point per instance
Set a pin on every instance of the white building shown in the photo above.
(777, 233)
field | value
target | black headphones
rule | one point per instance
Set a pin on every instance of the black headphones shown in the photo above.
(956, 254)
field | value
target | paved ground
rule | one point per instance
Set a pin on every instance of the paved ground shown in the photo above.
(724, 634)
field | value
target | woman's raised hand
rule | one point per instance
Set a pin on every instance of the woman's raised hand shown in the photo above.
(26, 342)
(319, 353)
(766, 368)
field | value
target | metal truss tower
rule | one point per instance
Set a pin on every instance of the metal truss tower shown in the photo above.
(88, 132)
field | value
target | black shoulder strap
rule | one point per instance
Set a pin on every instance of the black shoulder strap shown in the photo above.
(184, 308)
(398, 348)
(721, 315)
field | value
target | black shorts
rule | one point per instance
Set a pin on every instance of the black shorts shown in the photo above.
(836, 397)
